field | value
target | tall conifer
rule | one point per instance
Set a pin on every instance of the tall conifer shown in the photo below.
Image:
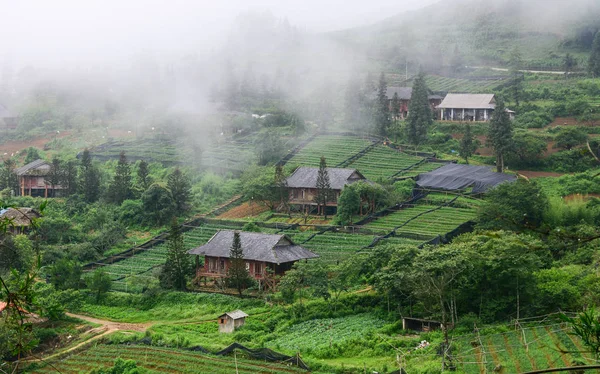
(594, 61)
(324, 191)
(419, 112)
(500, 136)
(237, 274)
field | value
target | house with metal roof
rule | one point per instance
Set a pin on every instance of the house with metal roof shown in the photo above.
(404, 97)
(302, 185)
(468, 107)
(33, 180)
(266, 256)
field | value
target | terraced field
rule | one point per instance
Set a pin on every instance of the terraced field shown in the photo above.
(382, 162)
(161, 360)
(420, 169)
(335, 247)
(335, 148)
(228, 156)
(445, 84)
(534, 348)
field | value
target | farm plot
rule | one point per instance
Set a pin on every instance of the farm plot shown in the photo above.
(438, 222)
(420, 169)
(161, 360)
(335, 149)
(382, 162)
(317, 334)
(228, 156)
(533, 348)
(445, 84)
(336, 247)
(161, 150)
(387, 223)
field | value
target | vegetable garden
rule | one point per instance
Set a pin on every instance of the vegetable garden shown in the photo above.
(335, 149)
(161, 360)
(383, 162)
(445, 84)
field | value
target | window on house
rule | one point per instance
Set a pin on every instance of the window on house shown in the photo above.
(247, 266)
(222, 264)
(257, 268)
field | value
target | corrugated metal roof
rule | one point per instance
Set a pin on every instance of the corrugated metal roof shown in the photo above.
(305, 177)
(468, 101)
(23, 170)
(236, 314)
(275, 249)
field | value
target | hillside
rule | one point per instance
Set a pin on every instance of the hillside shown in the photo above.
(482, 32)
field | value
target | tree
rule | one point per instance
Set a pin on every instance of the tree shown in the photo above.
(419, 112)
(586, 326)
(237, 274)
(269, 148)
(570, 137)
(8, 178)
(515, 64)
(594, 61)
(179, 185)
(89, 184)
(513, 206)
(348, 205)
(467, 144)
(32, 154)
(56, 173)
(100, 284)
(324, 191)
(500, 136)
(65, 274)
(282, 193)
(382, 108)
(353, 104)
(121, 189)
(395, 106)
(178, 265)
(143, 176)
(158, 204)
(569, 63)
(69, 181)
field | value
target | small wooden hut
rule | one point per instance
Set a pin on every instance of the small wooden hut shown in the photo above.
(228, 322)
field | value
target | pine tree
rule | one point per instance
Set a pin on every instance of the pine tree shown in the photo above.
(69, 182)
(120, 188)
(382, 108)
(89, 184)
(594, 61)
(281, 190)
(143, 176)
(420, 116)
(516, 76)
(178, 265)
(9, 177)
(324, 191)
(56, 174)
(237, 274)
(467, 144)
(395, 106)
(500, 136)
(180, 188)
(569, 63)
(353, 104)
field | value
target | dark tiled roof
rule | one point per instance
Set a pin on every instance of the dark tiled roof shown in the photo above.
(305, 177)
(276, 249)
(30, 167)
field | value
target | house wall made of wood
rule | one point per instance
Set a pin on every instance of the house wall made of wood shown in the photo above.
(309, 195)
(256, 269)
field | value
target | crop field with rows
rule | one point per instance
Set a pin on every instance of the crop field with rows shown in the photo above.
(420, 169)
(438, 222)
(335, 148)
(382, 162)
(533, 348)
(445, 84)
(161, 360)
(233, 156)
(310, 336)
(160, 150)
(336, 247)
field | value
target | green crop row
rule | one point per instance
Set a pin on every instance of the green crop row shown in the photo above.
(383, 162)
(334, 148)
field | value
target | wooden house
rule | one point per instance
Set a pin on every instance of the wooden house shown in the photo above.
(266, 256)
(32, 180)
(302, 185)
(7, 119)
(405, 95)
(20, 219)
(230, 321)
(469, 107)
(420, 325)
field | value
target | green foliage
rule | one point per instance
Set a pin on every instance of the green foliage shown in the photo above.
(32, 154)
(569, 138)
(65, 274)
(420, 117)
(527, 150)
(237, 273)
(180, 188)
(468, 144)
(99, 284)
(269, 148)
(324, 191)
(121, 187)
(500, 135)
(89, 183)
(559, 287)
(348, 205)
(158, 205)
(121, 367)
(382, 118)
(513, 206)
(587, 327)
(178, 266)
(533, 119)
(594, 61)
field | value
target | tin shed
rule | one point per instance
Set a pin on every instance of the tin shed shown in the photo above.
(228, 322)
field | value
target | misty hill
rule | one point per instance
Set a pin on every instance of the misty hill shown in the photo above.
(481, 33)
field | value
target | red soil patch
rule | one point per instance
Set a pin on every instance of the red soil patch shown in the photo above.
(538, 174)
(247, 209)
(571, 121)
(12, 147)
(579, 196)
(117, 133)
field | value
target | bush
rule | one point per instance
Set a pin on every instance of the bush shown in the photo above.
(533, 119)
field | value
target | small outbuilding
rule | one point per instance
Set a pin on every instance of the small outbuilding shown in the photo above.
(420, 325)
(230, 321)
(20, 219)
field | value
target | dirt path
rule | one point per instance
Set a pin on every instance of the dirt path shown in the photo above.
(112, 325)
